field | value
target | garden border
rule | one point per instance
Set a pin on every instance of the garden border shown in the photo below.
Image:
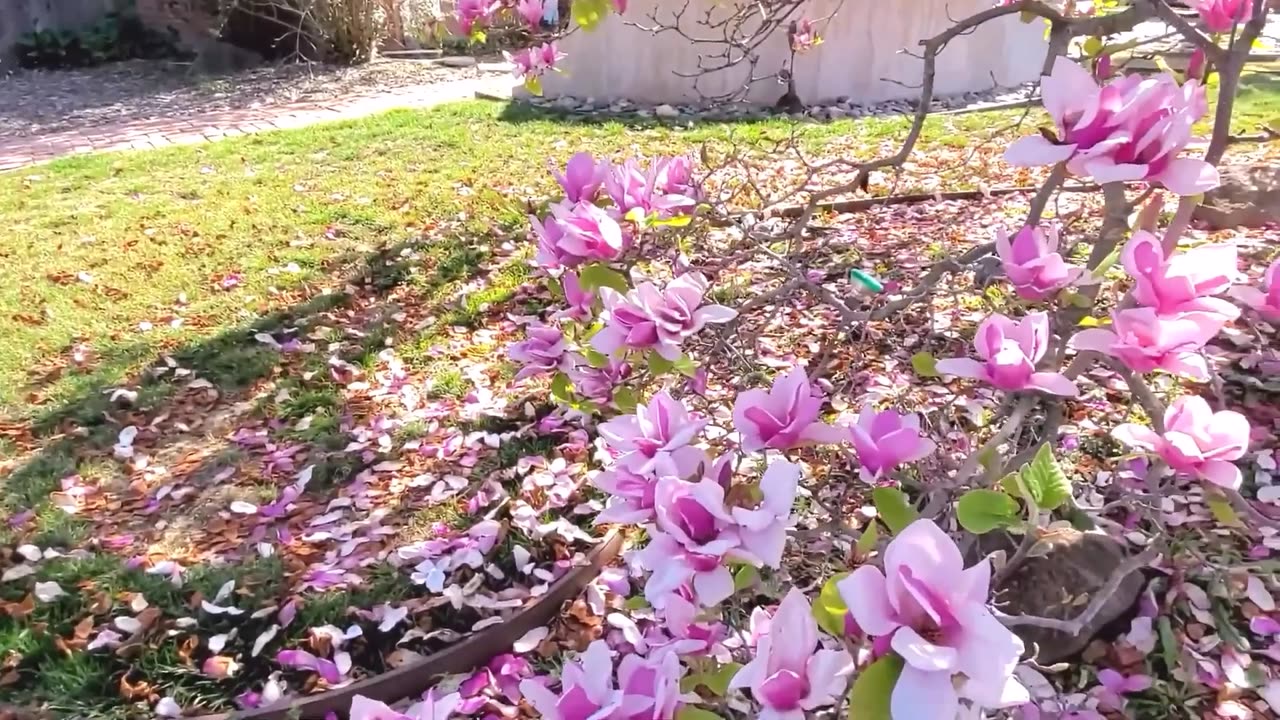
(462, 656)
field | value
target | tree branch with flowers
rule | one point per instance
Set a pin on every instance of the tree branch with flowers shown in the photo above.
(709, 475)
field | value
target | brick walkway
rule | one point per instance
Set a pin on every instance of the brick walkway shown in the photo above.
(165, 131)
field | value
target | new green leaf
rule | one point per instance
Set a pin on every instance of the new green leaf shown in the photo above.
(869, 699)
(1046, 481)
(829, 608)
(925, 364)
(598, 275)
(981, 511)
(894, 508)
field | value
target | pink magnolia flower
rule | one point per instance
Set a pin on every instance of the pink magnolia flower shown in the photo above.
(674, 569)
(1145, 341)
(301, 659)
(1130, 129)
(579, 300)
(1196, 441)
(648, 318)
(1265, 299)
(887, 439)
(530, 11)
(582, 175)
(664, 188)
(783, 417)
(550, 255)
(542, 351)
(650, 439)
(595, 383)
(1196, 65)
(687, 635)
(762, 530)
(586, 688)
(472, 11)
(1032, 262)
(532, 63)
(589, 232)
(1182, 282)
(694, 515)
(791, 673)
(1010, 350)
(650, 687)
(1221, 15)
(936, 612)
(631, 496)
(804, 36)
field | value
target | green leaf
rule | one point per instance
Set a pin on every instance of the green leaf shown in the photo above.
(598, 275)
(561, 388)
(1044, 479)
(677, 221)
(636, 602)
(745, 577)
(1092, 46)
(1221, 509)
(533, 83)
(685, 366)
(659, 365)
(925, 364)
(829, 608)
(894, 508)
(626, 400)
(1107, 263)
(589, 13)
(717, 681)
(1168, 644)
(981, 511)
(689, 712)
(596, 358)
(869, 698)
(867, 542)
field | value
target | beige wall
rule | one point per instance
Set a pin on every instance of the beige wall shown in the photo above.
(861, 49)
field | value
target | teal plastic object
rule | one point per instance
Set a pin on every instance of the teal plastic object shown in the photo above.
(866, 281)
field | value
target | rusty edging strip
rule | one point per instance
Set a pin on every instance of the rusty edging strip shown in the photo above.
(476, 649)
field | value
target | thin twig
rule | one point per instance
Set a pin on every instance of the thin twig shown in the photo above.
(1075, 625)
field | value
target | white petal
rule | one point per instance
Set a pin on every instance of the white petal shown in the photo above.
(266, 637)
(530, 640)
(49, 591)
(128, 624)
(20, 570)
(168, 707)
(244, 508)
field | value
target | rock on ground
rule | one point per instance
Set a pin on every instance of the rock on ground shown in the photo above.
(1249, 196)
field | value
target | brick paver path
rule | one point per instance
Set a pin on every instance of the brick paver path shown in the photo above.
(205, 127)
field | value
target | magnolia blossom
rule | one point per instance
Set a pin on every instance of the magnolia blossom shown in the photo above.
(530, 11)
(887, 439)
(589, 232)
(804, 36)
(936, 614)
(648, 318)
(596, 383)
(762, 530)
(543, 350)
(791, 673)
(694, 515)
(631, 496)
(532, 63)
(577, 299)
(1130, 129)
(783, 417)
(1196, 441)
(674, 569)
(1032, 263)
(1265, 299)
(1182, 282)
(1146, 341)
(472, 11)
(1221, 15)
(654, 436)
(664, 189)
(1010, 350)
(582, 175)
(687, 636)
(650, 687)
(586, 688)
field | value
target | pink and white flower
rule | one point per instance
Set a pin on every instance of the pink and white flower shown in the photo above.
(1197, 441)
(649, 440)
(1145, 341)
(934, 610)
(542, 350)
(582, 175)
(1220, 16)
(1032, 263)
(1133, 128)
(586, 688)
(530, 11)
(648, 318)
(783, 417)
(1265, 300)
(886, 439)
(578, 300)
(1183, 282)
(1010, 350)
(791, 673)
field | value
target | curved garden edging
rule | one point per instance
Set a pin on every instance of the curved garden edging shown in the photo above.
(475, 650)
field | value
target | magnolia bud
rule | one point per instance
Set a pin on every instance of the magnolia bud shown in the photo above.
(1195, 65)
(1102, 68)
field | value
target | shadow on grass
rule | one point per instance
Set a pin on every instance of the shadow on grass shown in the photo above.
(75, 439)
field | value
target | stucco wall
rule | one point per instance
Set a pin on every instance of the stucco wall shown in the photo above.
(859, 57)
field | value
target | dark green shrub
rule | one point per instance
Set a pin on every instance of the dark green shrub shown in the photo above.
(117, 36)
